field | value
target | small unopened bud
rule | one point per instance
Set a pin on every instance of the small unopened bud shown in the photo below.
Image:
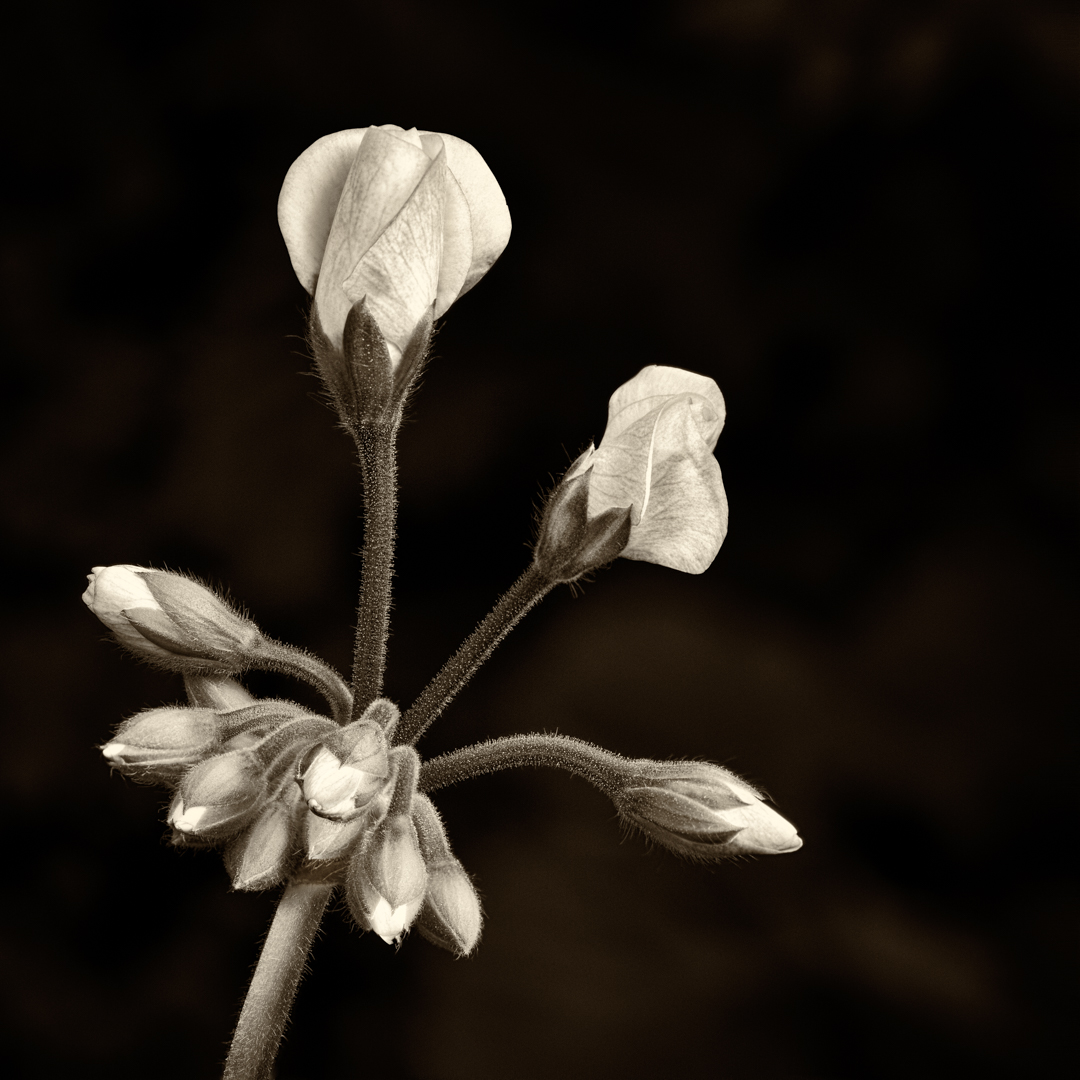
(570, 542)
(263, 854)
(451, 915)
(170, 620)
(218, 692)
(217, 798)
(326, 839)
(702, 811)
(386, 881)
(344, 773)
(161, 744)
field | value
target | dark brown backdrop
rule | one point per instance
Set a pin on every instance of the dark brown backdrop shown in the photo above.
(855, 217)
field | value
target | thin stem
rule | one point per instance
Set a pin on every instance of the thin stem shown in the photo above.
(527, 591)
(289, 660)
(375, 443)
(600, 767)
(273, 986)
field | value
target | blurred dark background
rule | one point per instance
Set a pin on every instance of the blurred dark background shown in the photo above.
(858, 218)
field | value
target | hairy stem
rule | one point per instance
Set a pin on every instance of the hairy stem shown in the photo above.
(273, 986)
(527, 591)
(375, 443)
(605, 770)
(289, 660)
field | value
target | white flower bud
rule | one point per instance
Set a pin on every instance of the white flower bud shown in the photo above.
(161, 744)
(702, 811)
(387, 879)
(170, 620)
(406, 221)
(451, 916)
(656, 457)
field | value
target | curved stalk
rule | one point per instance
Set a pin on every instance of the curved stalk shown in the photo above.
(273, 986)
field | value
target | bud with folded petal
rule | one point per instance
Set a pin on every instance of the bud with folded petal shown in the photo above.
(170, 620)
(262, 855)
(161, 744)
(656, 457)
(341, 775)
(701, 810)
(387, 879)
(451, 916)
(406, 221)
(219, 797)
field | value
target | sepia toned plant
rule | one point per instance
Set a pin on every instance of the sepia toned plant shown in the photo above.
(386, 228)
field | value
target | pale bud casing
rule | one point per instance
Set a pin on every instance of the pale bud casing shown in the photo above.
(161, 744)
(170, 620)
(345, 772)
(387, 879)
(218, 692)
(219, 797)
(264, 853)
(325, 839)
(702, 811)
(374, 912)
(451, 917)
(570, 543)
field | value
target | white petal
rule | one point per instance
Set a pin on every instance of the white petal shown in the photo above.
(385, 180)
(686, 519)
(399, 274)
(457, 254)
(652, 386)
(488, 212)
(309, 199)
(764, 831)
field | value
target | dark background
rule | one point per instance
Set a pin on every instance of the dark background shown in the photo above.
(856, 217)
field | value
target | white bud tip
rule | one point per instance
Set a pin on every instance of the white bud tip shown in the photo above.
(188, 820)
(389, 923)
(114, 751)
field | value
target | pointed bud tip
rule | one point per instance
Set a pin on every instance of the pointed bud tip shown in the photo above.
(188, 818)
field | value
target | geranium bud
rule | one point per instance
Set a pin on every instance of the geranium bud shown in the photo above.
(218, 692)
(702, 811)
(170, 620)
(570, 542)
(219, 797)
(387, 879)
(450, 916)
(406, 221)
(325, 839)
(656, 458)
(161, 744)
(262, 855)
(342, 774)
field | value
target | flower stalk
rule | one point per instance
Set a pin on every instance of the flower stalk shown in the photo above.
(281, 966)
(376, 446)
(515, 603)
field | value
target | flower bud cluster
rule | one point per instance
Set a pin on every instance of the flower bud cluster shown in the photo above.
(283, 788)
(403, 872)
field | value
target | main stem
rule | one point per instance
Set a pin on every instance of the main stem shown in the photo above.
(526, 592)
(375, 443)
(273, 986)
